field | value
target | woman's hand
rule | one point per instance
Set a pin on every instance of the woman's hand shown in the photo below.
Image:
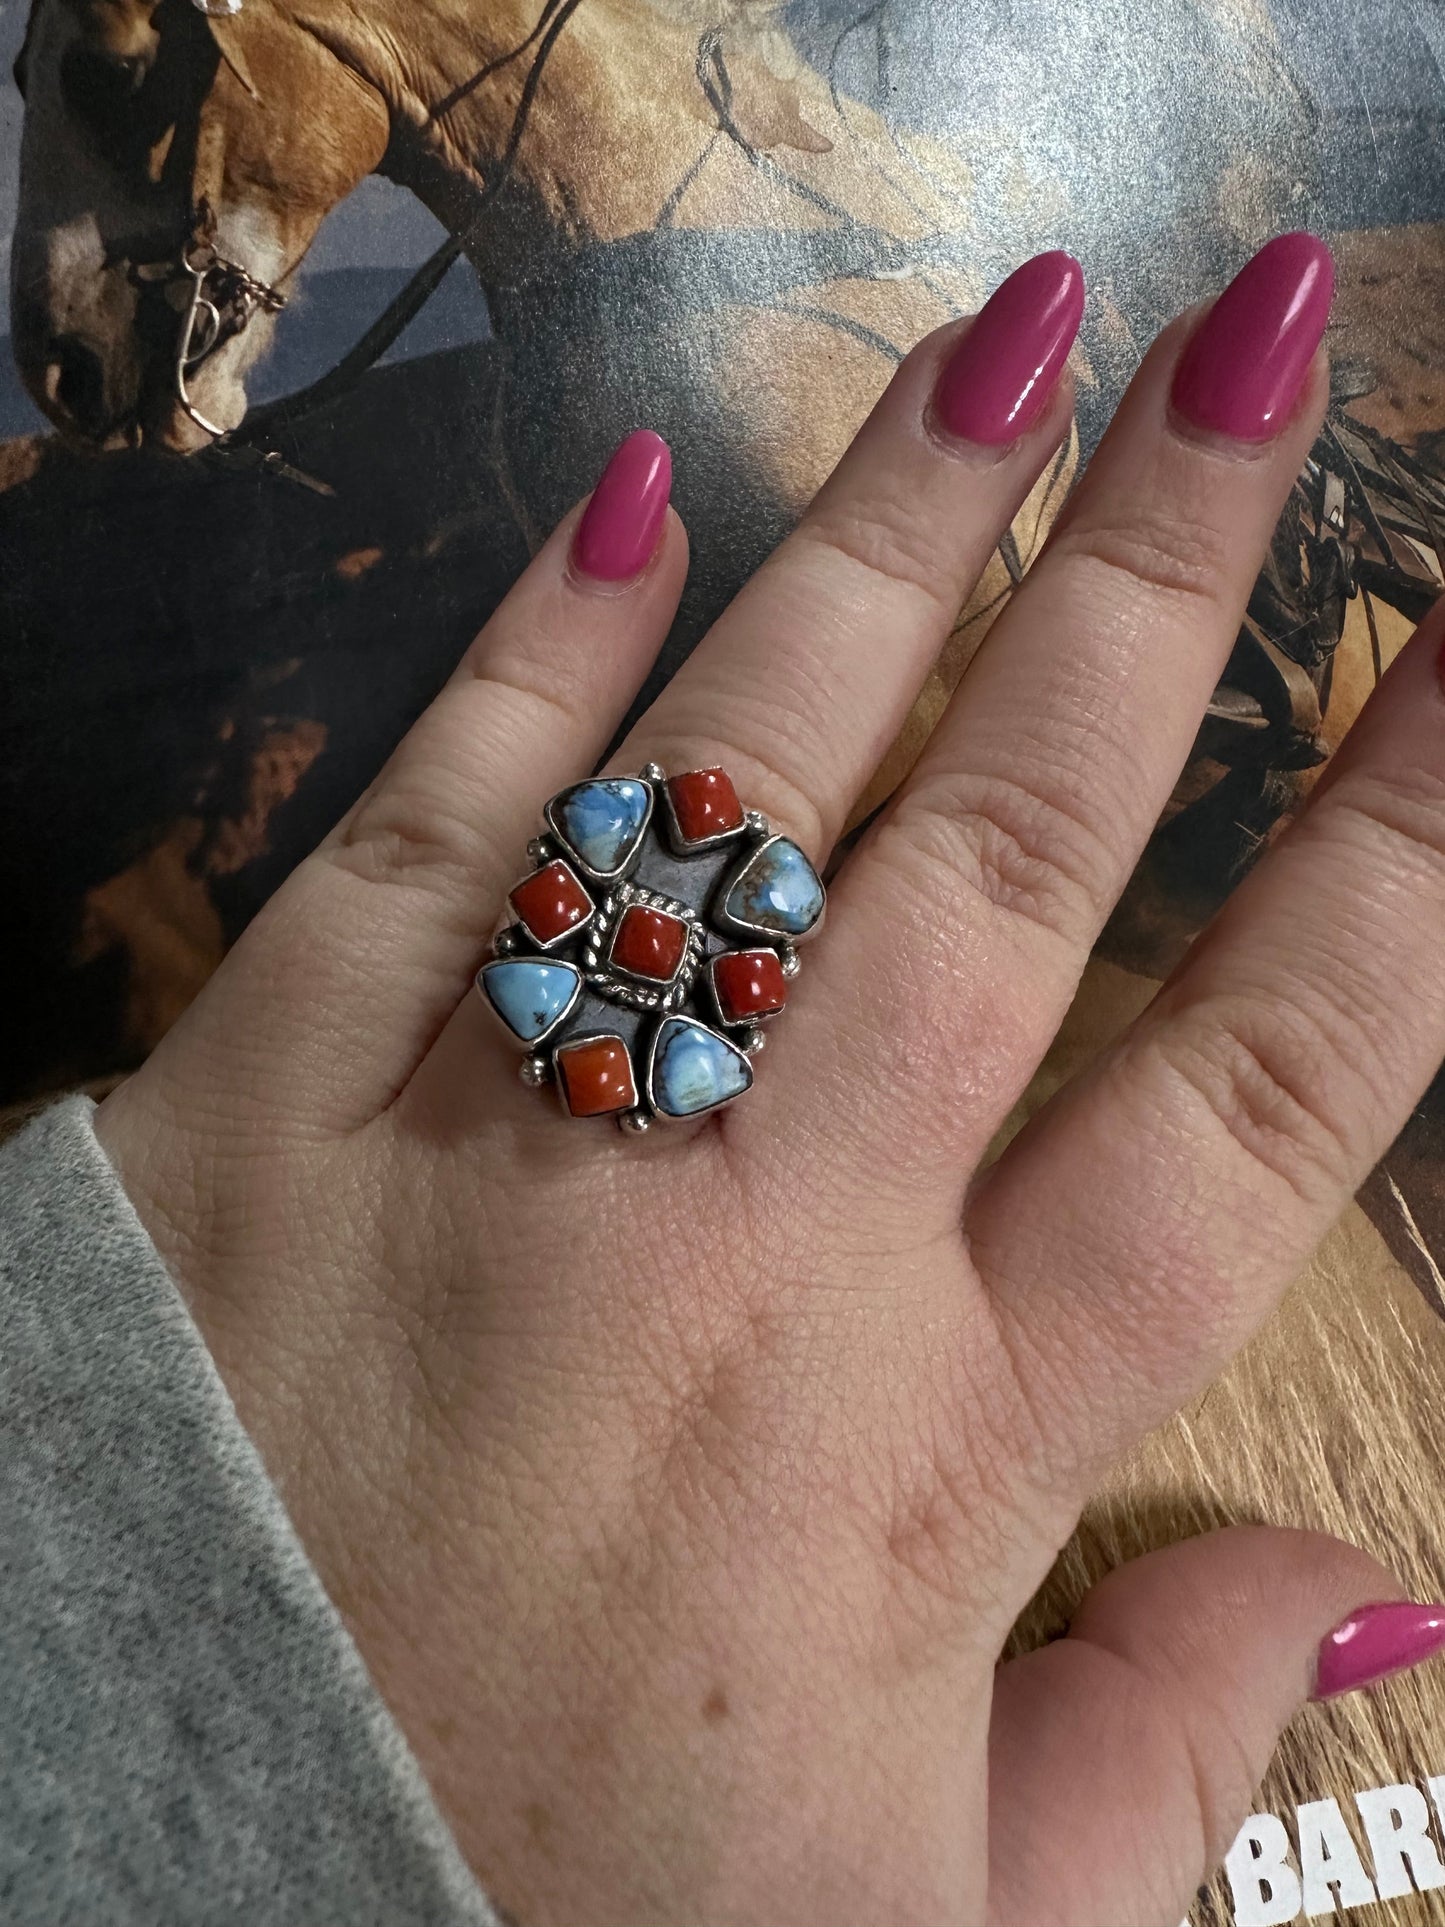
(680, 1491)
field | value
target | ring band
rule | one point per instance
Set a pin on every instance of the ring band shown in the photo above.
(654, 938)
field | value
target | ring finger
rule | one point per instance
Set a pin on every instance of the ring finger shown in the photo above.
(365, 950)
(1189, 1173)
(798, 689)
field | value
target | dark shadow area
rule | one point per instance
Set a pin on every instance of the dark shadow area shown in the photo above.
(209, 660)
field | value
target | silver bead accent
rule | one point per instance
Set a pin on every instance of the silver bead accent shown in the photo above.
(534, 1071)
(758, 826)
(754, 1040)
(788, 957)
(635, 1122)
(539, 851)
(653, 773)
(505, 941)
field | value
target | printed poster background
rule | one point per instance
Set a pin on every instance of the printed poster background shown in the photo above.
(725, 219)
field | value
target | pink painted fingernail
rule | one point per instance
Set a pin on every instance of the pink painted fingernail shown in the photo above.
(618, 534)
(1249, 358)
(1002, 375)
(1375, 1642)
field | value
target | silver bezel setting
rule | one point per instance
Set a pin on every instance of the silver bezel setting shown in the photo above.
(734, 926)
(694, 1023)
(573, 929)
(680, 844)
(754, 1017)
(560, 1076)
(555, 963)
(627, 863)
(619, 986)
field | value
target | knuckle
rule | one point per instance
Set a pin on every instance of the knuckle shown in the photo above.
(400, 833)
(412, 824)
(1269, 1077)
(1405, 806)
(1027, 850)
(893, 547)
(509, 692)
(1153, 555)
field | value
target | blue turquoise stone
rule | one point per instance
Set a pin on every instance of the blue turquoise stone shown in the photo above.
(693, 1069)
(528, 995)
(602, 821)
(777, 889)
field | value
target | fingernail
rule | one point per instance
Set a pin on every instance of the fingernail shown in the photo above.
(1002, 375)
(620, 527)
(1375, 1642)
(1249, 358)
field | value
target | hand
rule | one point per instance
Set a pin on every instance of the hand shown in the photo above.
(680, 1491)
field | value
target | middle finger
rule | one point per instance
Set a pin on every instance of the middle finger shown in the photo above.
(962, 925)
(803, 682)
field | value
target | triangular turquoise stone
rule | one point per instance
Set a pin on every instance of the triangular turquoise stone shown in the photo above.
(529, 996)
(602, 821)
(777, 890)
(694, 1070)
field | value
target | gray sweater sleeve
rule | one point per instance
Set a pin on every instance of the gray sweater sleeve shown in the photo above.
(187, 1733)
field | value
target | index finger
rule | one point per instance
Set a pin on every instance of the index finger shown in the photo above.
(1173, 1192)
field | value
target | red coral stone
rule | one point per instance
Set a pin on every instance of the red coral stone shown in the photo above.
(749, 983)
(649, 943)
(550, 902)
(704, 804)
(596, 1076)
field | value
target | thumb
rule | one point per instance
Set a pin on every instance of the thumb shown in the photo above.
(1124, 1757)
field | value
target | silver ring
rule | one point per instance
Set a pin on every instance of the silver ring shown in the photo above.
(652, 943)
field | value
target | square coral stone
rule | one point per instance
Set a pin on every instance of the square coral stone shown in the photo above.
(596, 1077)
(704, 805)
(649, 943)
(747, 984)
(550, 902)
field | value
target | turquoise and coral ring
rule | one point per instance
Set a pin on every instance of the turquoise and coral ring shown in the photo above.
(654, 938)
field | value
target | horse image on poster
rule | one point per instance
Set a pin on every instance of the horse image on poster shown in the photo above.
(689, 193)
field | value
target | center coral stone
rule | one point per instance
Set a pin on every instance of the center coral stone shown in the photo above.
(649, 943)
